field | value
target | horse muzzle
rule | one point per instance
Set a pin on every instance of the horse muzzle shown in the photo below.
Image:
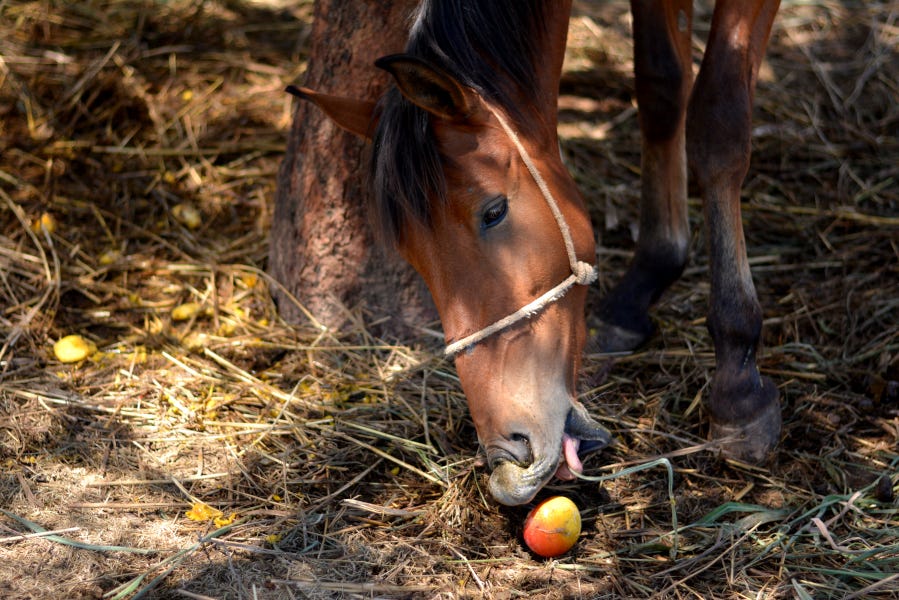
(514, 481)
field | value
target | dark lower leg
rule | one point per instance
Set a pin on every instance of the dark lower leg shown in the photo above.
(663, 79)
(744, 407)
(661, 252)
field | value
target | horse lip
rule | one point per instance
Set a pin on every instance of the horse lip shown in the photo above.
(512, 484)
(582, 426)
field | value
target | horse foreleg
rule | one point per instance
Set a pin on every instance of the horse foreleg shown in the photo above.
(663, 77)
(744, 406)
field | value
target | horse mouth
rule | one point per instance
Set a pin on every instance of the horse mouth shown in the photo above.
(517, 479)
(582, 435)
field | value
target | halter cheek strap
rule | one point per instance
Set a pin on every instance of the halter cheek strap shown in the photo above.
(582, 273)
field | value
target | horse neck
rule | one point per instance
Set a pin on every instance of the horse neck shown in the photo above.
(549, 68)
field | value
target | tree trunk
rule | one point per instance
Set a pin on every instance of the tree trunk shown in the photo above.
(322, 249)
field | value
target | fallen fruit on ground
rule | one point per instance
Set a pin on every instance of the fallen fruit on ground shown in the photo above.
(73, 348)
(185, 311)
(45, 222)
(188, 215)
(552, 527)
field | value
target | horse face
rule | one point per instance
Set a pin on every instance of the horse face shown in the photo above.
(489, 247)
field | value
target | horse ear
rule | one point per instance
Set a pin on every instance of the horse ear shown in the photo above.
(355, 116)
(428, 87)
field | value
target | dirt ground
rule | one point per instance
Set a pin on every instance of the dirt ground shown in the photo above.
(209, 450)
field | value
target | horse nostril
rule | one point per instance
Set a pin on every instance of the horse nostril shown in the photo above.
(521, 448)
(514, 448)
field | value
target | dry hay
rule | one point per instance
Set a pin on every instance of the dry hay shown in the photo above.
(336, 465)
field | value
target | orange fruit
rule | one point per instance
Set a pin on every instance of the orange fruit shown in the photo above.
(552, 527)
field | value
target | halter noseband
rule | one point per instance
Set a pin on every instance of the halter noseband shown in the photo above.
(582, 273)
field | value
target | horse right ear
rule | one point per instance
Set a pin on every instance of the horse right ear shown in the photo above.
(355, 116)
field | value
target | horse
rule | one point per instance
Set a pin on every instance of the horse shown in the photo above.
(470, 188)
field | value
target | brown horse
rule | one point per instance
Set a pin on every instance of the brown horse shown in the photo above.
(470, 188)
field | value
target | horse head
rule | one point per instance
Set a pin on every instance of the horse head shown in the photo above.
(474, 195)
(487, 246)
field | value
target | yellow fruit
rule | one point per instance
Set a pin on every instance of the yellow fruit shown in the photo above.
(73, 348)
(222, 520)
(45, 222)
(195, 341)
(202, 512)
(109, 257)
(185, 311)
(188, 215)
(552, 527)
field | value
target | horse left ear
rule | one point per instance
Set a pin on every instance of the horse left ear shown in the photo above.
(355, 116)
(429, 87)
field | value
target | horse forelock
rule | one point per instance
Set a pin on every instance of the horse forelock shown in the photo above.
(489, 46)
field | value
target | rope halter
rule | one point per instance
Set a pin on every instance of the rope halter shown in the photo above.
(582, 273)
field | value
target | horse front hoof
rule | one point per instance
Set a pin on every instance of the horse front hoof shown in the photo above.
(610, 339)
(751, 440)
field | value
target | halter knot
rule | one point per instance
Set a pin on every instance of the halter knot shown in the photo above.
(584, 273)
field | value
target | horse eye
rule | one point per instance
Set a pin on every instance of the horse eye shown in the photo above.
(495, 213)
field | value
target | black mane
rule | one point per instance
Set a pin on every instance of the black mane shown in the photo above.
(488, 45)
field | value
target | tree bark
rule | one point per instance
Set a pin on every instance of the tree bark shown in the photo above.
(322, 248)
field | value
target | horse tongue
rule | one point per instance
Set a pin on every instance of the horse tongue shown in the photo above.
(581, 431)
(572, 464)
